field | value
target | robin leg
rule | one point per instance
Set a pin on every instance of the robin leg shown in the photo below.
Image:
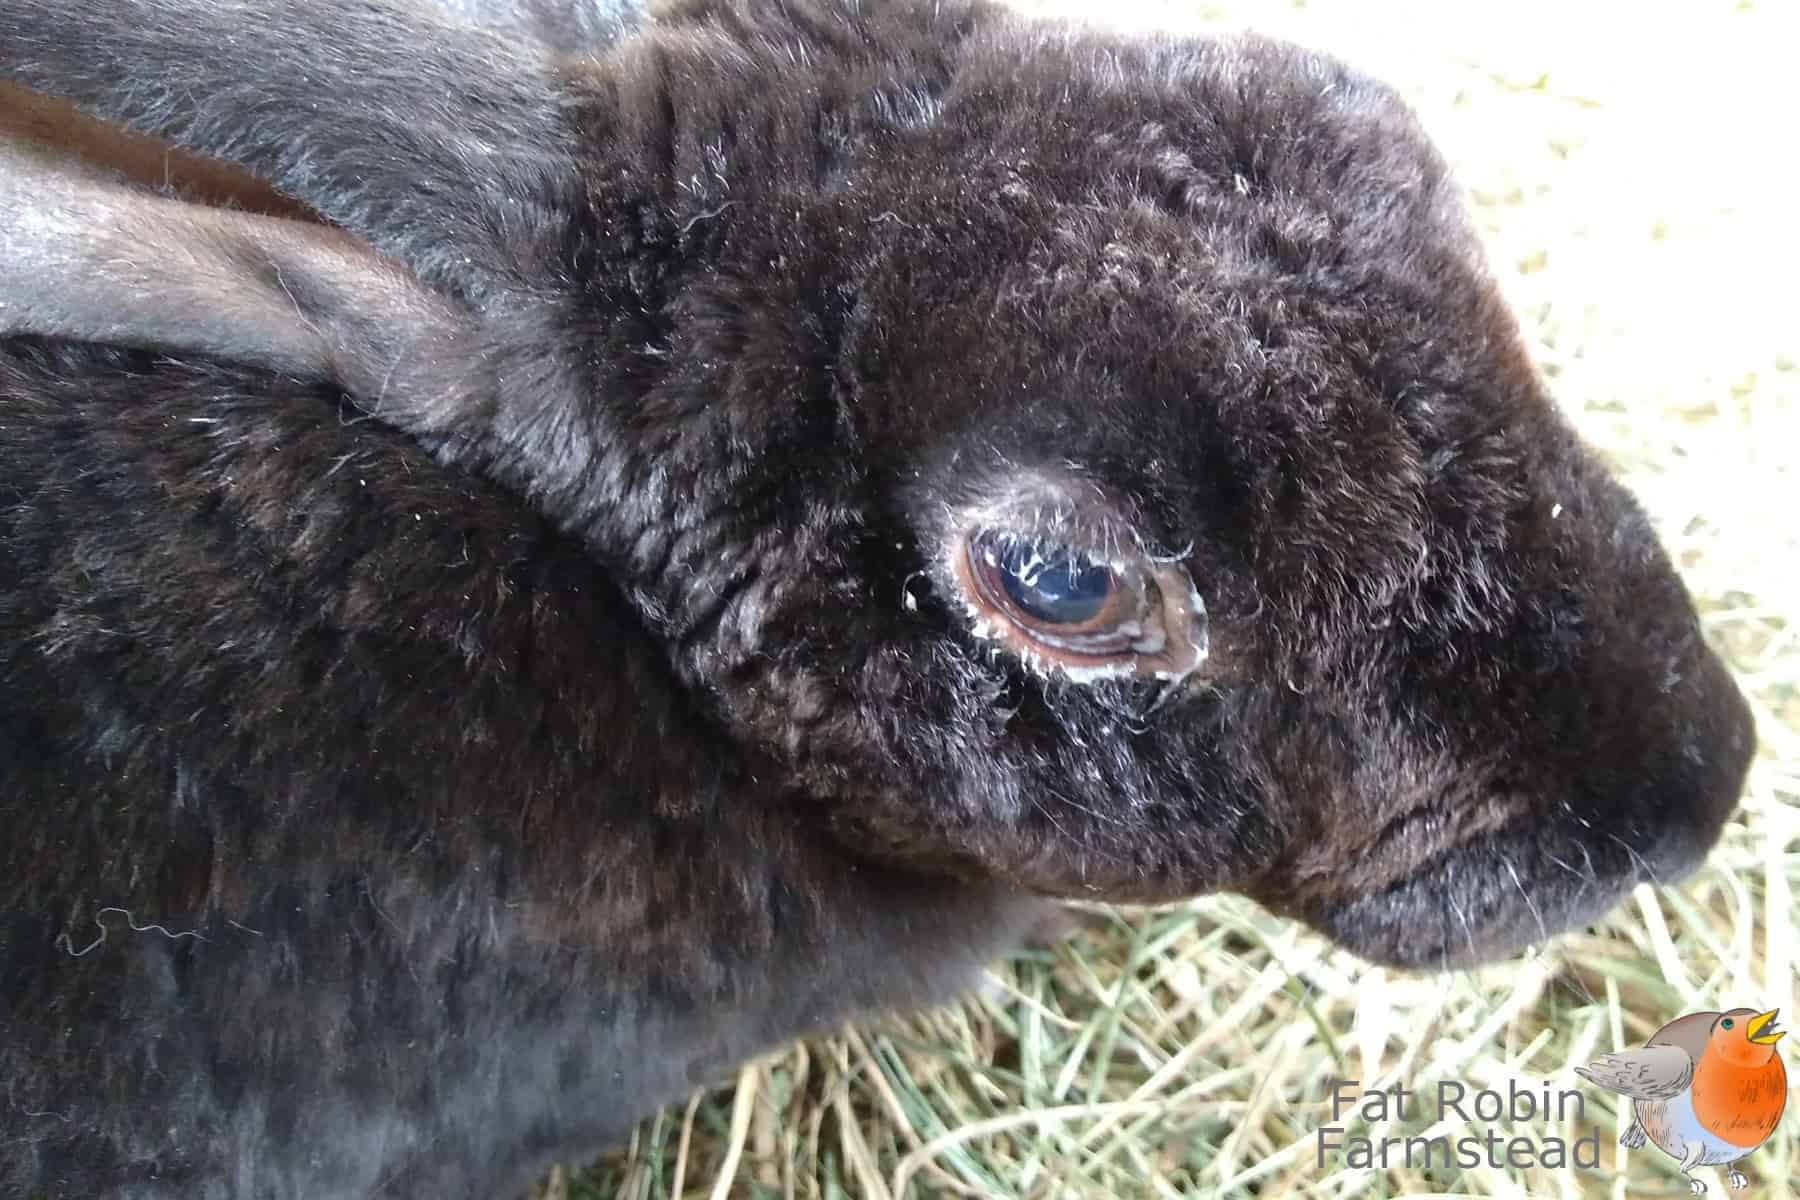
(1633, 1137)
(1689, 1161)
(1737, 1180)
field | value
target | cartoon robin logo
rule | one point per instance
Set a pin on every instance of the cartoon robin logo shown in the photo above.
(1707, 1089)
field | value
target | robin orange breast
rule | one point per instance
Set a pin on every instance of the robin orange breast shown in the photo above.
(1707, 1089)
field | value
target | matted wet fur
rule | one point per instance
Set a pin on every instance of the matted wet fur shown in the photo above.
(435, 732)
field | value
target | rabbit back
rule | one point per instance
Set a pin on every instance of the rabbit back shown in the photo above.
(315, 752)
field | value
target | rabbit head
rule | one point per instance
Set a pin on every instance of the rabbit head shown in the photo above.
(1101, 466)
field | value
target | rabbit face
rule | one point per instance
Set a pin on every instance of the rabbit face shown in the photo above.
(1137, 488)
(1099, 467)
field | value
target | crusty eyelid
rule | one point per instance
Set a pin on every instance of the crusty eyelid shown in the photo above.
(1119, 553)
(1127, 587)
(1095, 532)
(1171, 602)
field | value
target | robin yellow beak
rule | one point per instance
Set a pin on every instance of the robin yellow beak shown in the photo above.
(1758, 1029)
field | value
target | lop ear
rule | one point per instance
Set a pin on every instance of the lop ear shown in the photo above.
(83, 143)
(427, 136)
(86, 256)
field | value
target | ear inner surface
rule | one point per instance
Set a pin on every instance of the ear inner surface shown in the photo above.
(412, 130)
(81, 258)
(82, 142)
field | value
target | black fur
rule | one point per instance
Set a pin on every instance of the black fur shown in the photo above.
(401, 801)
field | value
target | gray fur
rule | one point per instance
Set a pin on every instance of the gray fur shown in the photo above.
(418, 165)
(565, 26)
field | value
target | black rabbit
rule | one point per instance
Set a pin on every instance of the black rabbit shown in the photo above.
(725, 522)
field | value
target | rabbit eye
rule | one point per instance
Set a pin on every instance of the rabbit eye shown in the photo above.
(1059, 605)
(1060, 599)
(1055, 587)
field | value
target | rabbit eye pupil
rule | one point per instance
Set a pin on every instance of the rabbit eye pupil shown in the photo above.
(1052, 584)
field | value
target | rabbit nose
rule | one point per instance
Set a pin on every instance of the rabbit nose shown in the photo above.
(1718, 743)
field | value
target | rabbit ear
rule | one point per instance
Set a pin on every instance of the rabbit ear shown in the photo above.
(84, 257)
(80, 142)
(426, 136)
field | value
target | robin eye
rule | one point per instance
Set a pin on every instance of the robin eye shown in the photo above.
(1727, 1023)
